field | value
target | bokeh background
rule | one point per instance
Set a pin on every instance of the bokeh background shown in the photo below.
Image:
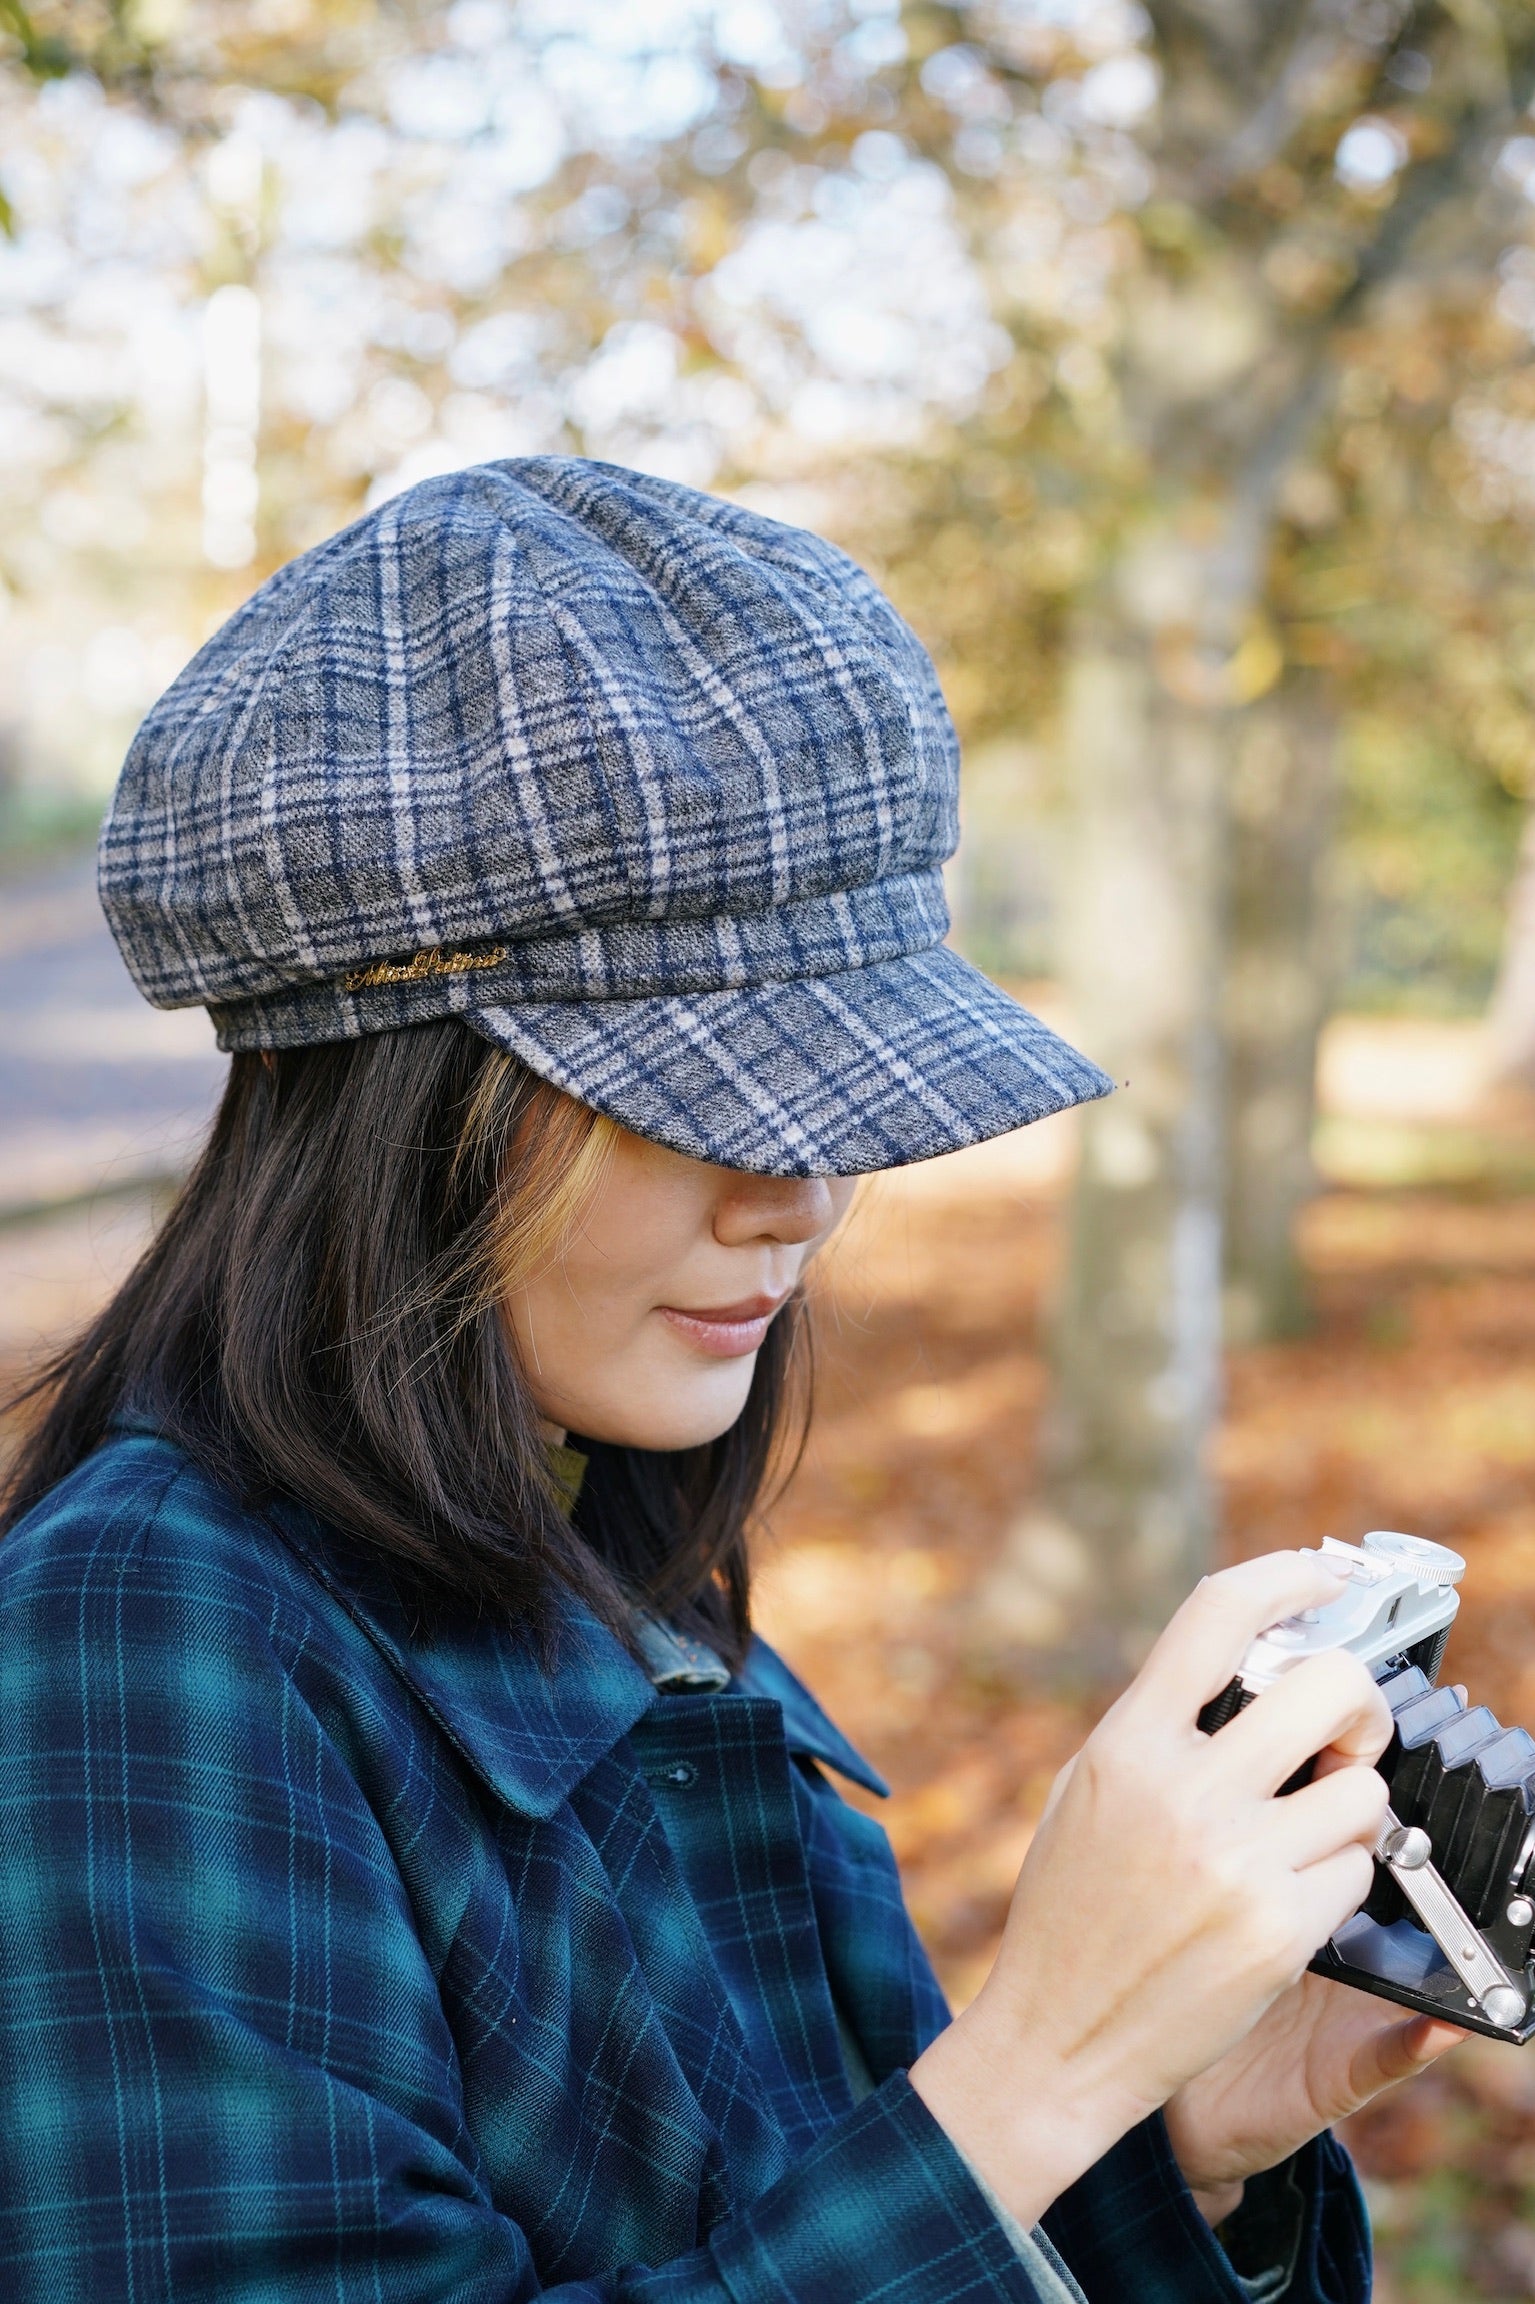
(1172, 366)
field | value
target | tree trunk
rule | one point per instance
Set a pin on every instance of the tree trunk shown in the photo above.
(1511, 1017)
(1281, 968)
(1217, 394)
(1217, 381)
(1153, 731)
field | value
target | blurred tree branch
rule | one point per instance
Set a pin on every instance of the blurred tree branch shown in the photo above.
(46, 56)
(101, 37)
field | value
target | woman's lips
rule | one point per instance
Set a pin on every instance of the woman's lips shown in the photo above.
(725, 1331)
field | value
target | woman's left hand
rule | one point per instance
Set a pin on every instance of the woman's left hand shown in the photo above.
(1321, 2051)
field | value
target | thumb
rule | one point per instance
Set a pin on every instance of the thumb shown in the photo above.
(1399, 2051)
(1057, 1790)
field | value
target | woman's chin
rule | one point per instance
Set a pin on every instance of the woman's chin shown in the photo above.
(702, 1413)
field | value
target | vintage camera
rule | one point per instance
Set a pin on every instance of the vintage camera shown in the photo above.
(1448, 1926)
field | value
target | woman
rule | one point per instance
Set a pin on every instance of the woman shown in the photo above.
(415, 1881)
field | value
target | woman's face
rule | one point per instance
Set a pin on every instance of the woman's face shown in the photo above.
(646, 1330)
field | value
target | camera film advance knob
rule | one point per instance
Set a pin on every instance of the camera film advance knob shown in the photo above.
(1424, 1562)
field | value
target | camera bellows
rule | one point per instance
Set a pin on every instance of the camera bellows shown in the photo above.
(1470, 1783)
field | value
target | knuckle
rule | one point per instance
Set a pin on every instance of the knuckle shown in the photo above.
(1266, 1569)
(1358, 1799)
(1268, 1937)
(1226, 1880)
(1224, 1592)
(1338, 1672)
(1356, 1676)
(1214, 1591)
(1113, 1755)
(1366, 1686)
(1285, 1949)
(1383, 1723)
(1095, 1779)
(1362, 1869)
(1353, 1685)
(1209, 1859)
(1236, 1586)
(1339, 1679)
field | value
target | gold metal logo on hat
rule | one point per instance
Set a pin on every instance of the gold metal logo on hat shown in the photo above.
(436, 960)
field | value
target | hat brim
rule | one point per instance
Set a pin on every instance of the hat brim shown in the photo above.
(836, 1075)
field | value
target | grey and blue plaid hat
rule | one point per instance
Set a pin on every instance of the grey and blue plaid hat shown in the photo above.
(648, 789)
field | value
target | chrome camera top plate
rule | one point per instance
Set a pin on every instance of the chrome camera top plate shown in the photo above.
(1400, 1593)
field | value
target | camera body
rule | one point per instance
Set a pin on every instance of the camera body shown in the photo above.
(1449, 1924)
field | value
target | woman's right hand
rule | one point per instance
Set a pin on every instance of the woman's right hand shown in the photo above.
(1168, 1897)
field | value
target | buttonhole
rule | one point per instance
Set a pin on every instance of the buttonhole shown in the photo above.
(678, 1772)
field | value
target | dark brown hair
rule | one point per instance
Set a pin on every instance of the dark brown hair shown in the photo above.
(318, 1320)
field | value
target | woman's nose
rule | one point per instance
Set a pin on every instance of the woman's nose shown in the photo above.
(786, 1209)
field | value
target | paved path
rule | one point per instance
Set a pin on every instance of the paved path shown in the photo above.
(98, 1090)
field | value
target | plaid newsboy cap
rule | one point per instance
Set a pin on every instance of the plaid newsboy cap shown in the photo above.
(650, 790)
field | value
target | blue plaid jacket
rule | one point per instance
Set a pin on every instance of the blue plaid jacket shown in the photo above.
(336, 1964)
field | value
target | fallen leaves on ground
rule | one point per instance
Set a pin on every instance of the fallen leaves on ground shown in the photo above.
(1410, 1404)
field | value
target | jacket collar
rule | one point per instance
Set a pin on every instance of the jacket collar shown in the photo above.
(533, 1733)
(807, 1730)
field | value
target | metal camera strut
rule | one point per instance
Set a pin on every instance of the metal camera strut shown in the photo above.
(1407, 1851)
